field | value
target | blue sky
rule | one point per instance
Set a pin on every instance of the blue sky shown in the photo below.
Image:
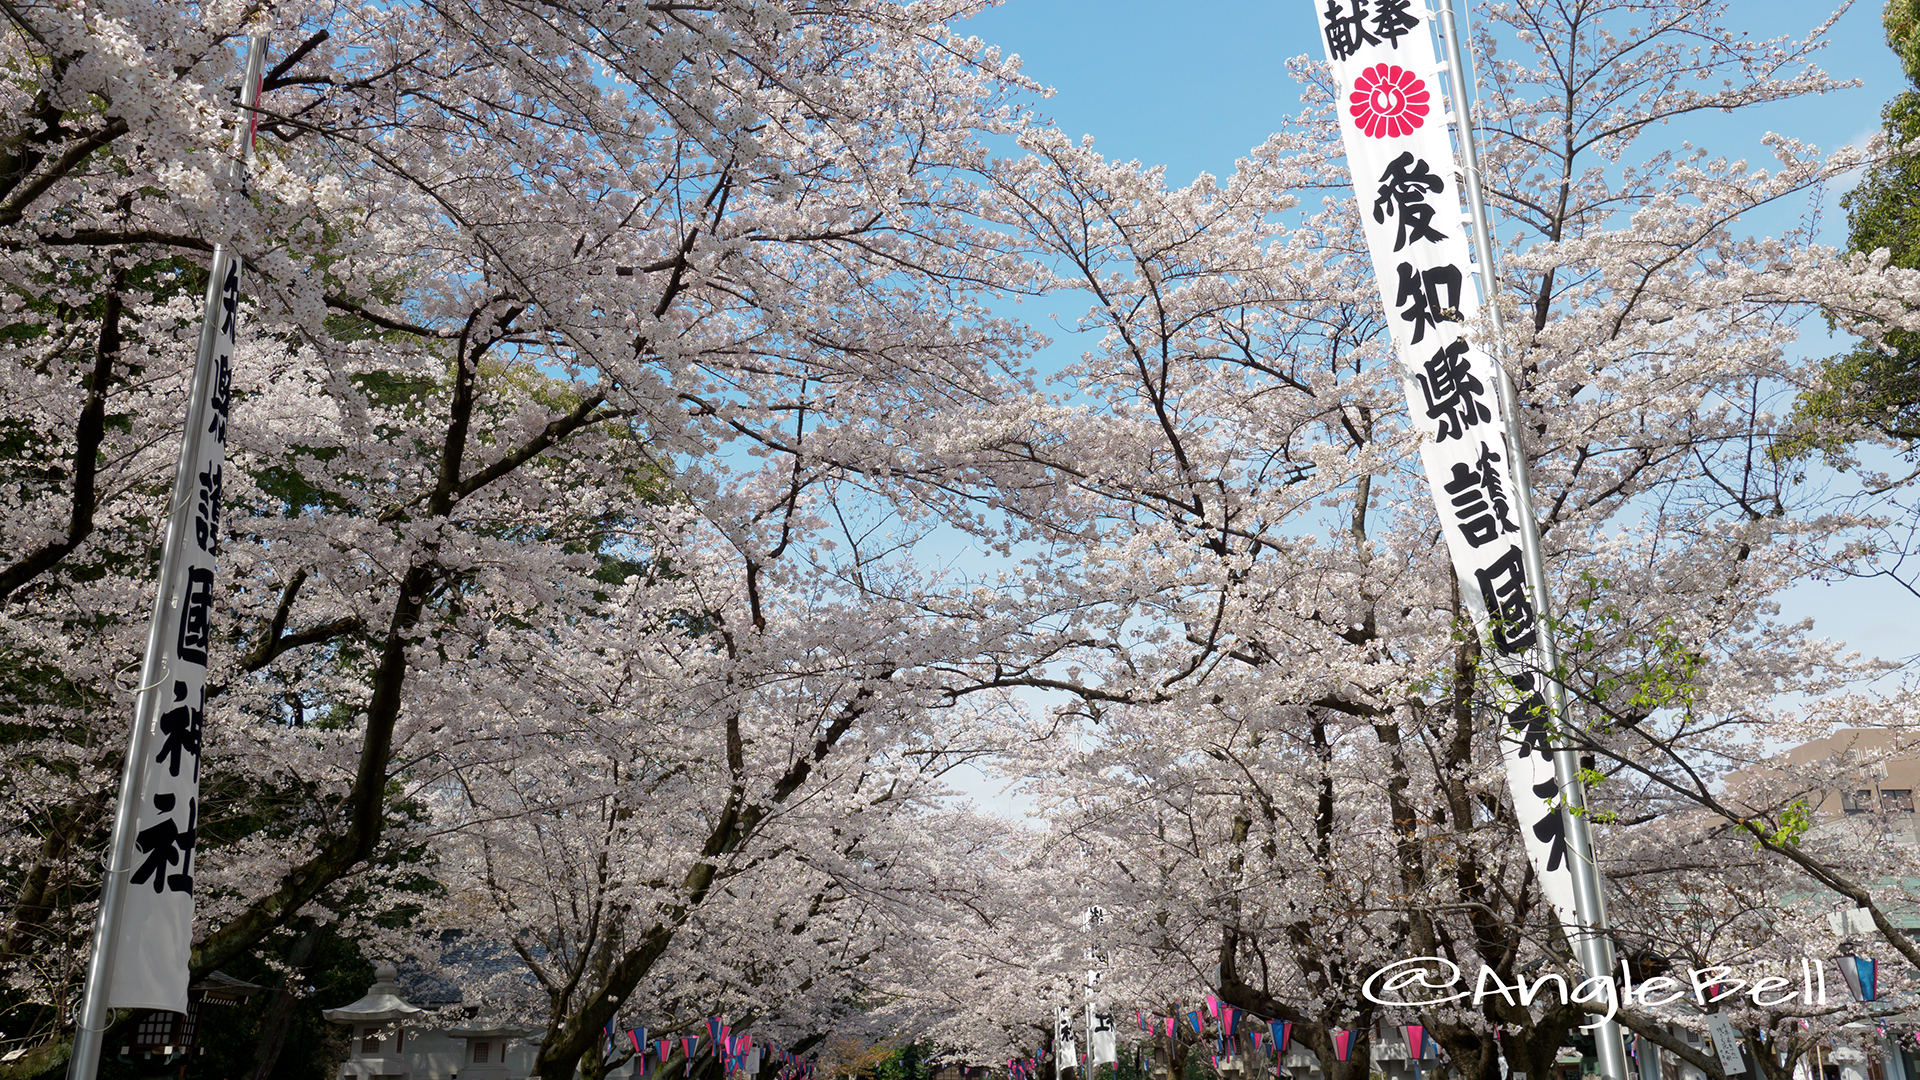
(1195, 85)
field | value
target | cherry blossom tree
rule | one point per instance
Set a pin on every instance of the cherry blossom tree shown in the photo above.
(575, 338)
(617, 381)
(1290, 768)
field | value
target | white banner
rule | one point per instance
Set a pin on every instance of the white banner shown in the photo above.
(154, 931)
(1102, 1047)
(1065, 1054)
(1382, 56)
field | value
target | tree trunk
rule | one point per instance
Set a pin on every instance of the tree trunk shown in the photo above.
(273, 1029)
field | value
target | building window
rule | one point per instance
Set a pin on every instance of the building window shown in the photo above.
(1896, 800)
(370, 1041)
(480, 1050)
(1860, 802)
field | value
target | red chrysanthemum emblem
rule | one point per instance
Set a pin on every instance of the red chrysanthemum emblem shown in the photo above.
(1388, 101)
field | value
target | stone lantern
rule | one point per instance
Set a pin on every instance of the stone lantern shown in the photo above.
(485, 1057)
(373, 1028)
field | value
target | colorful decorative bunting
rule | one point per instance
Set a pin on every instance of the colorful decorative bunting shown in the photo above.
(1861, 976)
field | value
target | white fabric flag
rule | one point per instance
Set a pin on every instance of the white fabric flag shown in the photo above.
(1383, 59)
(154, 930)
(1065, 1054)
(1102, 1046)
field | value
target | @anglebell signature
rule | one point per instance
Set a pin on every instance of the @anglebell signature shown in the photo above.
(1436, 980)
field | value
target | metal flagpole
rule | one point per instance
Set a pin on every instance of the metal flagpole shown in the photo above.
(1593, 946)
(96, 1010)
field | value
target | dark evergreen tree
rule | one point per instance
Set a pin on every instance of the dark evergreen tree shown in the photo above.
(1876, 386)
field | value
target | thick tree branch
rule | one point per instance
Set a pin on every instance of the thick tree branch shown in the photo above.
(87, 437)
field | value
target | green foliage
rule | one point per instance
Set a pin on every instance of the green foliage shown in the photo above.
(1665, 673)
(1902, 18)
(1877, 386)
(906, 1063)
(1794, 822)
(1591, 779)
